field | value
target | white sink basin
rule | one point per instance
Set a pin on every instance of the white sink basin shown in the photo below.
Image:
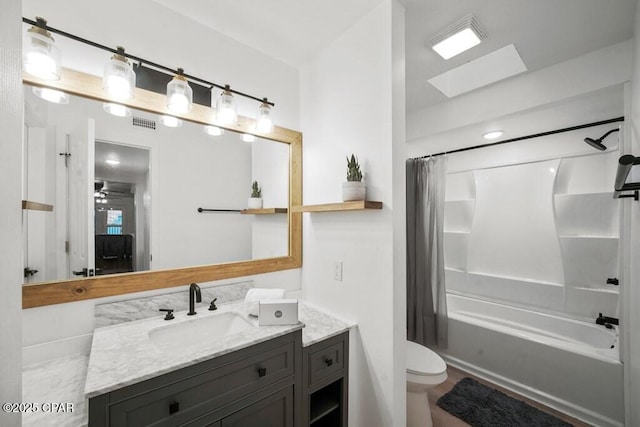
(198, 332)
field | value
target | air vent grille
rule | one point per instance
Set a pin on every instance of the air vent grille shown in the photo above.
(144, 123)
(468, 21)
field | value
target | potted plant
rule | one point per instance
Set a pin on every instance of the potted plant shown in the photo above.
(354, 188)
(255, 201)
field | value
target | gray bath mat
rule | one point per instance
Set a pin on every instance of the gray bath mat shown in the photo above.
(482, 406)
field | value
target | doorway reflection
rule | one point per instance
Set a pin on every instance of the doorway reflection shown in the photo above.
(121, 199)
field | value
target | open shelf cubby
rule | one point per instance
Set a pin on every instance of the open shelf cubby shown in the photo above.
(325, 406)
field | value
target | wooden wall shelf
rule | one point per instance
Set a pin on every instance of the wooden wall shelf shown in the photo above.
(35, 206)
(265, 211)
(335, 207)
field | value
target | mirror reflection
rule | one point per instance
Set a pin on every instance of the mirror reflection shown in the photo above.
(126, 192)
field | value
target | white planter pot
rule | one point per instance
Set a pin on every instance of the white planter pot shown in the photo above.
(353, 190)
(255, 203)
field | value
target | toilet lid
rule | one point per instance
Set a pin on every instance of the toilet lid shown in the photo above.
(422, 361)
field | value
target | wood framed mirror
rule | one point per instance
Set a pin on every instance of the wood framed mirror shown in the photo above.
(69, 290)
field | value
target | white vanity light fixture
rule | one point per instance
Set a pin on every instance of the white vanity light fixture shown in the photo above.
(170, 121)
(213, 130)
(458, 37)
(226, 108)
(117, 110)
(41, 57)
(247, 137)
(263, 119)
(118, 78)
(51, 95)
(493, 134)
(179, 94)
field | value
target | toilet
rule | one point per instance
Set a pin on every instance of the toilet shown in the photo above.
(425, 370)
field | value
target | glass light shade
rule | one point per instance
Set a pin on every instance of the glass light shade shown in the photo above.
(226, 108)
(170, 121)
(116, 110)
(213, 130)
(247, 137)
(41, 57)
(51, 95)
(263, 119)
(179, 94)
(118, 78)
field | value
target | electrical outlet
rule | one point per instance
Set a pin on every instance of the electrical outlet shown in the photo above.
(337, 271)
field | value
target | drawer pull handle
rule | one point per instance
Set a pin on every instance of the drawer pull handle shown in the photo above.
(262, 372)
(328, 361)
(174, 407)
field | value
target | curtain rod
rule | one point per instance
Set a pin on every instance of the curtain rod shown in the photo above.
(144, 61)
(521, 138)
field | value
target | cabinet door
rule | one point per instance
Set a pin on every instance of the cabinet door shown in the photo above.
(275, 410)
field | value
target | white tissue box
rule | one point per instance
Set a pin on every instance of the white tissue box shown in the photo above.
(278, 312)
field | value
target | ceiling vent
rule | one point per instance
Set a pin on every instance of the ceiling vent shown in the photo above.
(143, 123)
(458, 37)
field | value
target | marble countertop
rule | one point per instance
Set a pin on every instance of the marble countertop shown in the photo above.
(122, 354)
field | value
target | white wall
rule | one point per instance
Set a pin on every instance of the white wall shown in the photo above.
(347, 107)
(10, 212)
(153, 32)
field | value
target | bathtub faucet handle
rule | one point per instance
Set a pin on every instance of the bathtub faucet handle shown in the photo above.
(603, 320)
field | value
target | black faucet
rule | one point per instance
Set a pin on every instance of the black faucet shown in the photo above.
(194, 296)
(604, 320)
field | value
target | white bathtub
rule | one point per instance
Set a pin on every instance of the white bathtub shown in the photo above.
(570, 365)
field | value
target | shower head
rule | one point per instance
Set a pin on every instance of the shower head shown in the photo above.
(597, 143)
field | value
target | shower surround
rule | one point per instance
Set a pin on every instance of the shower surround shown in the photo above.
(529, 246)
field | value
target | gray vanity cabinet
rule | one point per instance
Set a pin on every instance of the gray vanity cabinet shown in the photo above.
(325, 378)
(252, 387)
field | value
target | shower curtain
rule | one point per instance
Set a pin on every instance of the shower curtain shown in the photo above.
(426, 296)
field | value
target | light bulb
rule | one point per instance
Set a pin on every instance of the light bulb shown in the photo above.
(118, 79)
(226, 109)
(51, 95)
(41, 56)
(263, 119)
(247, 137)
(179, 94)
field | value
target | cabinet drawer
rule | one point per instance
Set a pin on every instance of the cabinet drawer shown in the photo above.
(197, 394)
(325, 361)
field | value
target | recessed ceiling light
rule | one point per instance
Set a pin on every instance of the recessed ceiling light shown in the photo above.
(493, 134)
(456, 38)
(112, 162)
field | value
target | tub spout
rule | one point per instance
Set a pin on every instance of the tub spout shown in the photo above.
(604, 320)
